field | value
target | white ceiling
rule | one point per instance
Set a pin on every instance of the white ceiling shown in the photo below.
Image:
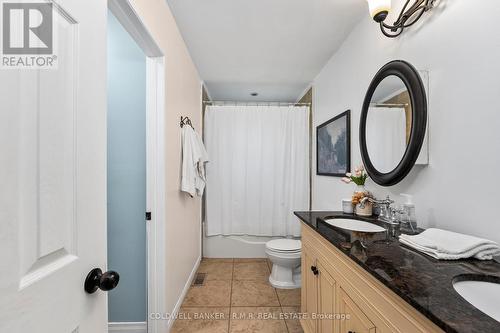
(273, 47)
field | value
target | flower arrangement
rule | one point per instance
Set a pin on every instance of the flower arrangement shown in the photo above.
(358, 177)
(358, 196)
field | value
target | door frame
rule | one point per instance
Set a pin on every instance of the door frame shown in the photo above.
(124, 11)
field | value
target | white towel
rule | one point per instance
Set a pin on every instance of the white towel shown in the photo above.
(194, 157)
(448, 245)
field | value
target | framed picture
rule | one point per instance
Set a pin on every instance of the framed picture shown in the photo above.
(333, 146)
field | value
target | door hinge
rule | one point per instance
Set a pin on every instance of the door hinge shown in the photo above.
(148, 216)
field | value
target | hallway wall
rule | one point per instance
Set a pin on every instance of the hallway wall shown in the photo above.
(182, 97)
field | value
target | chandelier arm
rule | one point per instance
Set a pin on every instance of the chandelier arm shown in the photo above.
(417, 4)
(405, 15)
(408, 16)
(402, 13)
(396, 33)
(422, 11)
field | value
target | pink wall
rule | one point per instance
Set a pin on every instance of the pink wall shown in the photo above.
(183, 97)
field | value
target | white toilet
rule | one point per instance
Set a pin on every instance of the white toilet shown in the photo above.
(285, 255)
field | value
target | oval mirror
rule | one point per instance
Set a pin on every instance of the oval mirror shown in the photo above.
(393, 122)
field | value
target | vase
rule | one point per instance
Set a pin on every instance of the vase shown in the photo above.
(360, 189)
(367, 208)
(364, 210)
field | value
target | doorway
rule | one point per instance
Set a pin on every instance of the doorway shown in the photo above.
(126, 175)
(135, 172)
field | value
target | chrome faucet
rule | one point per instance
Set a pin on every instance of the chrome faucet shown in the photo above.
(386, 215)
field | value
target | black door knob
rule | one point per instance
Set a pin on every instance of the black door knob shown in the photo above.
(314, 269)
(96, 279)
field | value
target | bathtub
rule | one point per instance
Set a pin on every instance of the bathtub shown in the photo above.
(243, 246)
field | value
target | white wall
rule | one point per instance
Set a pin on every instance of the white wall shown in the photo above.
(459, 44)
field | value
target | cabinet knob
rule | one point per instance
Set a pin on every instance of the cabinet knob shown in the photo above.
(314, 269)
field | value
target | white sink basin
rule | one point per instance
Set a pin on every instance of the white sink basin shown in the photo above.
(482, 295)
(355, 225)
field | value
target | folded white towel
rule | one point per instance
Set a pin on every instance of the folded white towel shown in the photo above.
(448, 245)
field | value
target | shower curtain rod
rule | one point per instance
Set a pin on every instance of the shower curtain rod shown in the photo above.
(236, 103)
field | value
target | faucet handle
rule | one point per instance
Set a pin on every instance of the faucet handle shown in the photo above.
(394, 214)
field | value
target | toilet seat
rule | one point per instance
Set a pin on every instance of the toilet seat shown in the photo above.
(284, 245)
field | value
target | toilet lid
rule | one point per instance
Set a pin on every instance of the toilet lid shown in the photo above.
(284, 245)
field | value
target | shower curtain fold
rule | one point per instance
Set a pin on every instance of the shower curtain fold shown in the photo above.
(386, 146)
(259, 169)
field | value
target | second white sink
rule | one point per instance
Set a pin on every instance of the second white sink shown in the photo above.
(355, 225)
(481, 294)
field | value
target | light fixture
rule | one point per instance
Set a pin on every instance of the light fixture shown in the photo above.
(379, 9)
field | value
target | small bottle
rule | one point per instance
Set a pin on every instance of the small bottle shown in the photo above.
(409, 208)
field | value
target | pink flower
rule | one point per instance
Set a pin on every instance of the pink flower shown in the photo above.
(348, 174)
(346, 180)
(358, 173)
(361, 168)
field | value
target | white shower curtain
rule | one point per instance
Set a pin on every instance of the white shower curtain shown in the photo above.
(259, 169)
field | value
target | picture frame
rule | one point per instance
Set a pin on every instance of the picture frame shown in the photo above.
(333, 146)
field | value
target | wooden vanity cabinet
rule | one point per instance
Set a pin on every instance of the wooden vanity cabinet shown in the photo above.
(318, 293)
(338, 296)
(358, 322)
(327, 298)
(309, 293)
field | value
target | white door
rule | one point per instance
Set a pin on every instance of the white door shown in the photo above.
(53, 181)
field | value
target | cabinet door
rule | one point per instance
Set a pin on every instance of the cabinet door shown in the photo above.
(358, 322)
(309, 290)
(326, 300)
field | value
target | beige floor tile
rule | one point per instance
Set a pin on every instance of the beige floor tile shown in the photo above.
(257, 320)
(291, 319)
(212, 293)
(289, 297)
(253, 293)
(216, 270)
(252, 270)
(202, 320)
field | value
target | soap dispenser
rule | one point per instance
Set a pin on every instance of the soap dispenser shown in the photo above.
(409, 209)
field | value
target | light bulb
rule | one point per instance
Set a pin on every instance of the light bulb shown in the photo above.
(379, 9)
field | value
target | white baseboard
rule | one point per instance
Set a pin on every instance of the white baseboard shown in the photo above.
(128, 327)
(183, 294)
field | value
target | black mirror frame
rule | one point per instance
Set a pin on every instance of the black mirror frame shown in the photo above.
(410, 77)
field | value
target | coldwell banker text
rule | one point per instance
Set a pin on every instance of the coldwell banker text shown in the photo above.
(28, 35)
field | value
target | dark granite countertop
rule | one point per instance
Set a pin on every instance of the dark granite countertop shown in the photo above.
(424, 282)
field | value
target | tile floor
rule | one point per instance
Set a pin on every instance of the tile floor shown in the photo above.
(236, 297)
